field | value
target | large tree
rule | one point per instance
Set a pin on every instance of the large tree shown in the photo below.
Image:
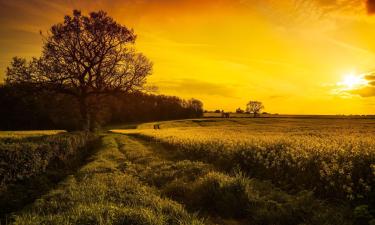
(254, 107)
(85, 57)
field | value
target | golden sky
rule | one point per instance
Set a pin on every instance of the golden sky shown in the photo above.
(296, 56)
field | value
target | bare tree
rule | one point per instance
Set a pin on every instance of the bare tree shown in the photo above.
(86, 57)
(254, 107)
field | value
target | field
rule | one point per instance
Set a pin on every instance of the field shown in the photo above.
(218, 171)
(31, 133)
(334, 158)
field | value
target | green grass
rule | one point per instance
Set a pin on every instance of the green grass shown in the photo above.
(101, 193)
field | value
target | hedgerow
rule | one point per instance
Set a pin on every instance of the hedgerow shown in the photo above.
(23, 158)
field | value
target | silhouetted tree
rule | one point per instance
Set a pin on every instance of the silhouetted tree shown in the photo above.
(21, 108)
(254, 107)
(239, 110)
(196, 106)
(85, 57)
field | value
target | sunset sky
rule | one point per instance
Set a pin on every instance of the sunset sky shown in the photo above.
(296, 56)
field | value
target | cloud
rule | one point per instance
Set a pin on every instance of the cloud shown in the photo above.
(278, 97)
(196, 87)
(369, 89)
(370, 6)
(370, 76)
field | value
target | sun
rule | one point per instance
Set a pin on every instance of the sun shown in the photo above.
(351, 81)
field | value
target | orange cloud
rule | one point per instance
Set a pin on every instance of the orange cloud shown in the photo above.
(369, 89)
(370, 6)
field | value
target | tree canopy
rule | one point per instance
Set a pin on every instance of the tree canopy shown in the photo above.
(254, 107)
(85, 57)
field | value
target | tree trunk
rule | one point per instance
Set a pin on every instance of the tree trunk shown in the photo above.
(85, 116)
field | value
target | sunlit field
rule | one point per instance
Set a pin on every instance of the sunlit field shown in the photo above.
(187, 112)
(31, 133)
(333, 157)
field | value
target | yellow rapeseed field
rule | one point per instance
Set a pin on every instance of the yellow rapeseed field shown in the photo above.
(332, 157)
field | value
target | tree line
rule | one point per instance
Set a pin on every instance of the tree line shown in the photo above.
(23, 108)
(88, 74)
(252, 107)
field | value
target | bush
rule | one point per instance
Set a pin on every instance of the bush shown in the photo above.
(24, 158)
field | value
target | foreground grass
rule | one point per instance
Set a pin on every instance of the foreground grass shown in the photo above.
(101, 193)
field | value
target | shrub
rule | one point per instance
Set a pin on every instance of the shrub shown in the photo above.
(23, 158)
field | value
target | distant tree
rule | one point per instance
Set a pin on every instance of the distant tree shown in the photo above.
(196, 106)
(239, 110)
(254, 107)
(86, 57)
(217, 111)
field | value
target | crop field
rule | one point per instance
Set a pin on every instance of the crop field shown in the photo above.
(266, 171)
(31, 133)
(334, 158)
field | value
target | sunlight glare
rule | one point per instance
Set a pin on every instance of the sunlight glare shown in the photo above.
(351, 81)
